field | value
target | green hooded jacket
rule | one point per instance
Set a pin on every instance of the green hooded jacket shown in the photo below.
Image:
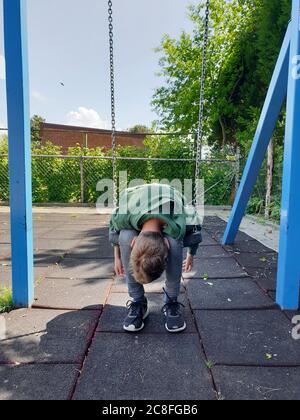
(141, 203)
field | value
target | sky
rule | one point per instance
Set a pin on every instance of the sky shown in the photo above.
(68, 43)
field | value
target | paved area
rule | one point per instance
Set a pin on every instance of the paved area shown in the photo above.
(238, 344)
(266, 232)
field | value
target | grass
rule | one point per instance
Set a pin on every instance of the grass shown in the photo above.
(209, 364)
(6, 300)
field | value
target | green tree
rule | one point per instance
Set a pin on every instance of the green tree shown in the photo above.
(245, 38)
(36, 122)
(139, 129)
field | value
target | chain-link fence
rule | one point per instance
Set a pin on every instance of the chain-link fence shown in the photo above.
(73, 179)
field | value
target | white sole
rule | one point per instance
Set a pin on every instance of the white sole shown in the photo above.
(134, 330)
(176, 331)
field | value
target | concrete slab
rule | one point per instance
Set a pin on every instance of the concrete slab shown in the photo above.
(39, 274)
(115, 312)
(72, 294)
(67, 214)
(37, 382)
(4, 251)
(213, 251)
(257, 383)
(120, 286)
(72, 234)
(96, 249)
(42, 258)
(47, 336)
(4, 229)
(265, 232)
(145, 367)
(260, 338)
(266, 278)
(49, 257)
(77, 224)
(55, 244)
(41, 232)
(292, 314)
(5, 237)
(213, 268)
(38, 231)
(262, 260)
(75, 268)
(5, 276)
(249, 247)
(226, 294)
(219, 233)
(212, 220)
(207, 240)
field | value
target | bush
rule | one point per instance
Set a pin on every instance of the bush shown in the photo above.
(58, 180)
(6, 300)
(4, 179)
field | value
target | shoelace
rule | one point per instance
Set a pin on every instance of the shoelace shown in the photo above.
(173, 306)
(136, 308)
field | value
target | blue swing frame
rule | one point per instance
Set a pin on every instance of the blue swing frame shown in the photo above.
(285, 83)
(17, 86)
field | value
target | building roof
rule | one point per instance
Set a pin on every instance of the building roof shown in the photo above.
(65, 128)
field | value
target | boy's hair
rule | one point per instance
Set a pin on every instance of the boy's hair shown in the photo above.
(149, 257)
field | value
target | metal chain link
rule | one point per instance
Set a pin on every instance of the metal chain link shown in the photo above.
(201, 107)
(201, 110)
(113, 102)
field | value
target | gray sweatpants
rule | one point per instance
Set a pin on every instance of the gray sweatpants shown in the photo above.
(173, 271)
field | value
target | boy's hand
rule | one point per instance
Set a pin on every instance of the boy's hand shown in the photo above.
(188, 264)
(119, 269)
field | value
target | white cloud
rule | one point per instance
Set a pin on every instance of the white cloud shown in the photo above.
(2, 67)
(85, 117)
(38, 96)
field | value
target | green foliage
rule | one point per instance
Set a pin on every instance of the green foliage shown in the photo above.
(36, 122)
(275, 209)
(58, 180)
(255, 205)
(4, 181)
(169, 147)
(239, 68)
(139, 128)
(6, 300)
(245, 39)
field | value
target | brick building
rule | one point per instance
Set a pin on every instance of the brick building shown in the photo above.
(69, 136)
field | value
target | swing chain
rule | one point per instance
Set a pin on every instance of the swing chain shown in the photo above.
(201, 103)
(201, 107)
(113, 101)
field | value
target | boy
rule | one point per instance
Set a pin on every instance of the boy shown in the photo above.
(149, 229)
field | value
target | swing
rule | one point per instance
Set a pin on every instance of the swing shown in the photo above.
(200, 130)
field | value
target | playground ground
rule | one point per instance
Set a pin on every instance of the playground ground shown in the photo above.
(238, 344)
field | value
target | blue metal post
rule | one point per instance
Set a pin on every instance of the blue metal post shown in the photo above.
(289, 261)
(273, 104)
(17, 85)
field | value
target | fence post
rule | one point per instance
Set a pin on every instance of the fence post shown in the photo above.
(81, 179)
(237, 169)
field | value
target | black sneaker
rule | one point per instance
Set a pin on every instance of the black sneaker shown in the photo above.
(137, 313)
(175, 322)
